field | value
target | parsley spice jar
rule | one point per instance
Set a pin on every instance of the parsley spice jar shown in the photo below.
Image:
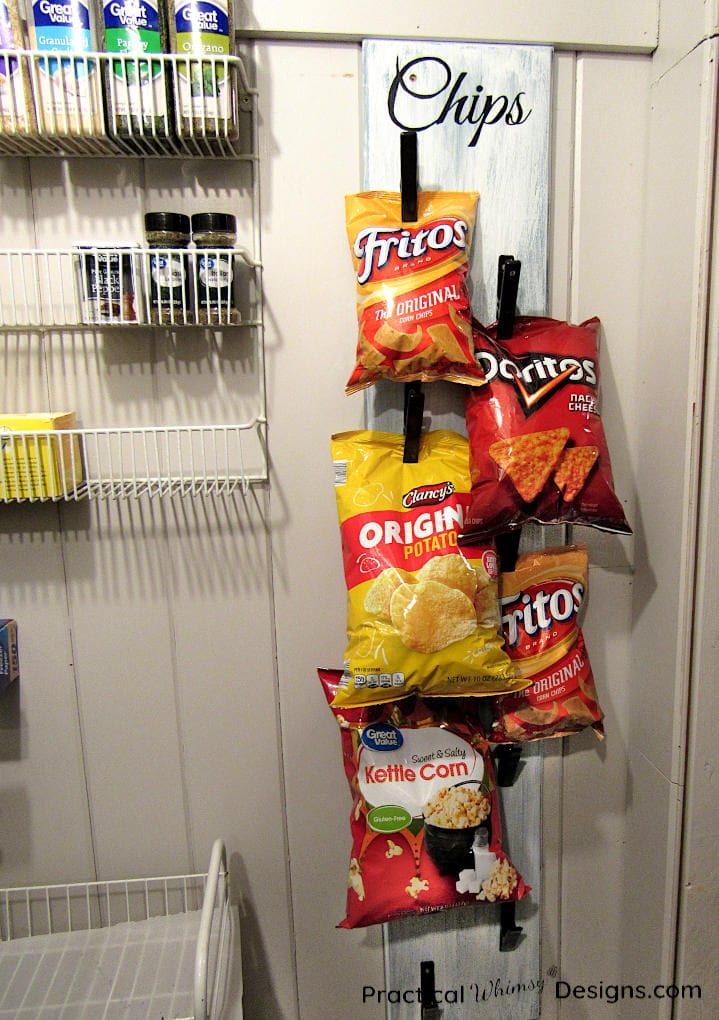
(215, 270)
(169, 269)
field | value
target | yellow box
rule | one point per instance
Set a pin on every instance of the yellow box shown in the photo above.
(41, 466)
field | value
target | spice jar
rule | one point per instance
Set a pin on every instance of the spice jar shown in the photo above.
(169, 269)
(214, 269)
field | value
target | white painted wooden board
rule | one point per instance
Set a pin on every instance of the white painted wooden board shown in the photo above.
(601, 24)
(498, 146)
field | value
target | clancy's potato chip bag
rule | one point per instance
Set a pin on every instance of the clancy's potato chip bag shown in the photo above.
(541, 600)
(426, 826)
(422, 613)
(412, 301)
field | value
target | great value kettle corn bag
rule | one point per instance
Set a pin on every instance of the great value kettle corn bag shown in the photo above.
(426, 827)
(422, 613)
(412, 301)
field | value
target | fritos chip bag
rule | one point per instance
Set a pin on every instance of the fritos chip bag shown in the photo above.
(541, 599)
(537, 446)
(412, 302)
(422, 613)
(426, 828)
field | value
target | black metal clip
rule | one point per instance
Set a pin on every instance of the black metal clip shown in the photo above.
(408, 175)
(508, 272)
(510, 933)
(427, 990)
(413, 395)
(413, 412)
(507, 758)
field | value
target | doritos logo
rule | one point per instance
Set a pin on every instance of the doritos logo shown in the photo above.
(537, 376)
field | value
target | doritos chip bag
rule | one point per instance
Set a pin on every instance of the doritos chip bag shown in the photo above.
(412, 302)
(422, 614)
(541, 599)
(537, 445)
(426, 828)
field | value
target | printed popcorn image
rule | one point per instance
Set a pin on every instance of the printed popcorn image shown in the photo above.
(425, 820)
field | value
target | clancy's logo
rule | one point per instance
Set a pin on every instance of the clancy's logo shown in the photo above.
(449, 96)
(424, 495)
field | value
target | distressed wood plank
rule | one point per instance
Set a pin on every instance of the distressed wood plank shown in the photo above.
(508, 163)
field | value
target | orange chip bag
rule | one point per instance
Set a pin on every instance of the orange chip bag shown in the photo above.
(413, 306)
(540, 601)
(422, 613)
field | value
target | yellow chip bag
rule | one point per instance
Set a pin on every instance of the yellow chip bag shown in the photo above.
(413, 305)
(422, 612)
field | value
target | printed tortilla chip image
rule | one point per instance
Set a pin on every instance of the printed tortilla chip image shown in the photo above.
(394, 340)
(380, 592)
(452, 570)
(573, 470)
(429, 616)
(529, 459)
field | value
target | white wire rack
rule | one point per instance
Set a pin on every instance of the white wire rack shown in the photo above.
(146, 947)
(100, 286)
(120, 463)
(100, 104)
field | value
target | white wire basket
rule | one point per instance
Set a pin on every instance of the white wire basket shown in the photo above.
(104, 104)
(119, 463)
(146, 947)
(105, 286)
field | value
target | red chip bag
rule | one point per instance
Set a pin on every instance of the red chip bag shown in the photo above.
(412, 301)
(537, 445)
(541, 599)
(426, 828)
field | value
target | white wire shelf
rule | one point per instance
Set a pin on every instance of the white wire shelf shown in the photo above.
(120, 463)
(107, 104)
(93, 286)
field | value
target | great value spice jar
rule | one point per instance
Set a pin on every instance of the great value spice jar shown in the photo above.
(213, 232)
(169, 269)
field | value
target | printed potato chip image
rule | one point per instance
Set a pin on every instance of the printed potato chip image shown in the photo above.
(486, 605)
(530, 459)
(380, 592)
(573, 470)
(452, 570)
(429, 616)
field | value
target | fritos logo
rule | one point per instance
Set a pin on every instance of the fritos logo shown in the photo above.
(390, 251)
(528, 613)
(425, 495)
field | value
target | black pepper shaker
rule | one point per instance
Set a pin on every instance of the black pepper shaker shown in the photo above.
(169, 269)
(215, 269)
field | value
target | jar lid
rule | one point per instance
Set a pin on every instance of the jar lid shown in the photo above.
(222, 223)
(178, 223)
